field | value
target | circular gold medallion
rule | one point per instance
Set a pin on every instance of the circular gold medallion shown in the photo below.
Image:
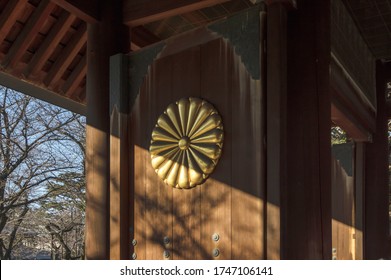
(186, 143)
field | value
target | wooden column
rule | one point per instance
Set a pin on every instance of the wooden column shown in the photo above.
(105, 38)
(376, 176)
(119, 158)
(306, 208)
(276, 123)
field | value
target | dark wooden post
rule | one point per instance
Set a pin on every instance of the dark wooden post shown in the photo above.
(376, 176)
(306, 208)
(276, 121)
(105, 38)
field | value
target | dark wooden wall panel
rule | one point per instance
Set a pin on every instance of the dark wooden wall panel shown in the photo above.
(376, 176)
(247, 150)
(216, 193)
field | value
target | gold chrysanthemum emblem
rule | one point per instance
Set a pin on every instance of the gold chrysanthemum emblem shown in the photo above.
(186, 143)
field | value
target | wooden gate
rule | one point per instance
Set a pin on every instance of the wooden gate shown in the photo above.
(223, 217)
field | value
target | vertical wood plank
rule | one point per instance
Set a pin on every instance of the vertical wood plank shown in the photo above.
(216, 65)
(159, 195)
(140, 156)
(276, 127)
(187, 203)
(359, 199)
(247, 153)
(119, 159)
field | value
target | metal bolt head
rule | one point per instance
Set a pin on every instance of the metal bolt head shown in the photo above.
(166, 254)
(334, 250)
(166, 240)
(216, 252)
(134, 256)
(215, 237)
(134, 242)
(334, 258)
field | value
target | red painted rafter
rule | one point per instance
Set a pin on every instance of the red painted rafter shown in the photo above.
(78, 40)
(9, 16)
(30, 30)
(87, 10)
(145, 11)
(51, 41)
(75, 78)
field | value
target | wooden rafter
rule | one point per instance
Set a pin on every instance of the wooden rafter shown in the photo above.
(75, 78)
(51, 41)
(9, 16)
(58, 68)
(139, 12)
(142, 37)
(28, 33)
(87, 10)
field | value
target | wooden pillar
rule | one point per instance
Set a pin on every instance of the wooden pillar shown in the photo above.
(119, 159)
(306, 208)
(105, 38)
(376, 176)
(276, 122)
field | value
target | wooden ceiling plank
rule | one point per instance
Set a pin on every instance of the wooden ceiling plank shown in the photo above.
(87, 10)
(78, 40)
(51, 41)
(9, 16)
(74, 80)
(141, 12)
(142, 37)
(30, 30)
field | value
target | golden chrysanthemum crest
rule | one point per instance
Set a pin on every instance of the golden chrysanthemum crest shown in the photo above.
(186, 143)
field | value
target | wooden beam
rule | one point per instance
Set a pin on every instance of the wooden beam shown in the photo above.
(9, 16)
(30, 30)
(75, 78)
(142, 37)
(50, 43)
(41, 93)
(348, 123)
(139, 12)
(87, 10)
(71, 50)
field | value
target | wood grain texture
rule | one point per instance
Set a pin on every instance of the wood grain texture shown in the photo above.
(216, 192)
(376, 176)
(98, 127)
(276, 126)
(307, 211)
(30, 30)
(9, 15)
(343, 210)
(140, 12)
(247, 152)
(190, 217)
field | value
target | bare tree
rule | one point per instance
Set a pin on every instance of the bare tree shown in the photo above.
(32, 159)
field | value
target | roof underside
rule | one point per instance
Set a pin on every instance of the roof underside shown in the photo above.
(44, 42)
